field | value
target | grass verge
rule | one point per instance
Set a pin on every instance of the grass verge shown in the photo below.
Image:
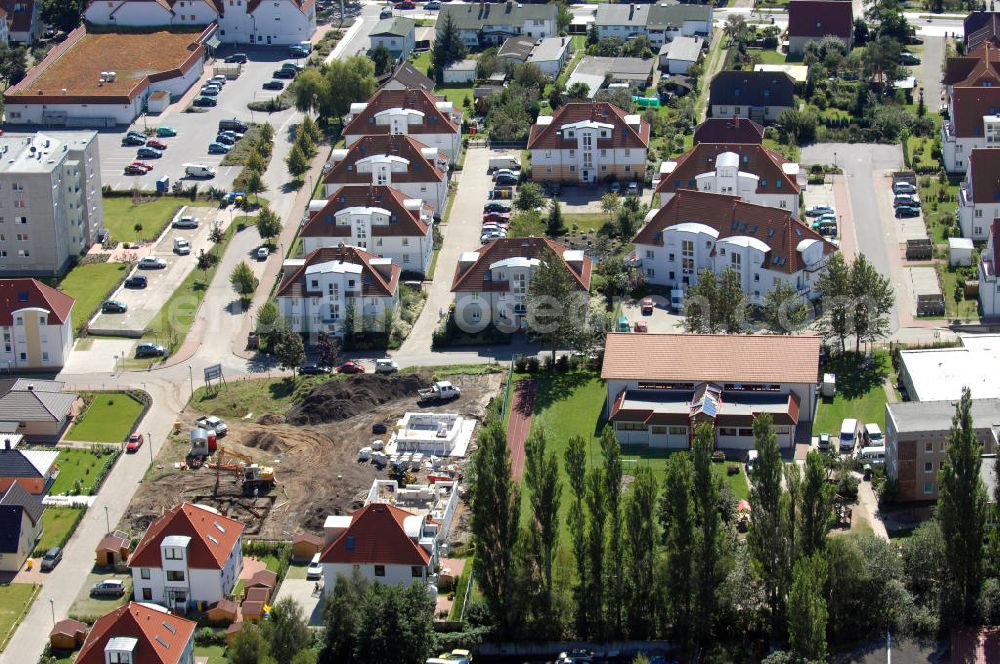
(79, 465)
(91, 284)
(257, 395)
(58, 524)
(121, 216)
(15, 600)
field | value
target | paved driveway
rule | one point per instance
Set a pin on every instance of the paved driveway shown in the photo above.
(303, 592)
(144, 304)
(929, 72)
(874, 227)
(196, 130)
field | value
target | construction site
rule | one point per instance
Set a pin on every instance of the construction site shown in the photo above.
(283, 473)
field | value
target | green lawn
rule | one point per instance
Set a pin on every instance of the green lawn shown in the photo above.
(91, 284)
(79, 464)
(964, 309)
(109, 418)
(215, 654)
(258, 395)
(58, 524)
(585, 221)
(120, 216)
(456, 94)
(572, 404)
(859, 393)
(771, 57)
(15, 600)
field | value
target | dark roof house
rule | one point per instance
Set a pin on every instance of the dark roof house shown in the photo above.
(473, 276)
(15, 503)
(405, 77)
(752, 88)
(728, 130)
(816, 19)
(981, 27)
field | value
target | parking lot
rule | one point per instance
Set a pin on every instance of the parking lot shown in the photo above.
(196, 130)
(144, 304)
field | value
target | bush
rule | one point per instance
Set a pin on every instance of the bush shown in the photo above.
(562, 364)
(718, 456)
(847, 486)
(520, 364)
(532, 364)
(206, 636)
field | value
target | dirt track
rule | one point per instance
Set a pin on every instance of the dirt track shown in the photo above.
(315, 465)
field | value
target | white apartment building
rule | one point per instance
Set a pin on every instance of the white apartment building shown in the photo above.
(979, 195)
(139, 633)
(190, 554)
(36, 325)
(485, 23)
(697, 230)
(491, 284)
(378, 219)
(660, 22)
(337, 288)
(989, 286)
(434, 122)
(383, 543)
(973, 98)
(393, 160)
(23, 19)
(750, 171)
(51, 206)
(258, 22)
(588, 142)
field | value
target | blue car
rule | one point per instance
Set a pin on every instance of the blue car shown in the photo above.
(218, 148)
(149, 153)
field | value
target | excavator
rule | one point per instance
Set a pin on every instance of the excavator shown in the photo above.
(253, 476)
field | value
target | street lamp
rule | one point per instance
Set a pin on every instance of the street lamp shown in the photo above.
(107, 519)
(191, 376)
(149, 443)
(52, 606)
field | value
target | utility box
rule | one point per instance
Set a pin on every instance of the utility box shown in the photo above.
(163, 185)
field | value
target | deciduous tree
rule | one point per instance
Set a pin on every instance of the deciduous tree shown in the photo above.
(381, 58)
(289, 350)
(286, 630)
(243, 280)
(807, 614)
(541, 479)
(530, 195)
(816, 512)
(766, 536)
(575, 460)
(784, 309)
(268, 224)
(555, 309)
(835, 297)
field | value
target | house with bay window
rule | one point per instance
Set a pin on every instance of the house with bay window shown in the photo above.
(979, 195)
(378, 219)
(972, 91)
(433, 121)
(190, 554)
(491, 284)
(662, 386)
(394, 160)
(697, 230)
(334, 288)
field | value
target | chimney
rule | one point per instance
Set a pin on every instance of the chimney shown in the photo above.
(31, 387)
(6, 444)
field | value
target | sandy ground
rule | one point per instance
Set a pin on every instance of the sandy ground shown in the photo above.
(316, 469)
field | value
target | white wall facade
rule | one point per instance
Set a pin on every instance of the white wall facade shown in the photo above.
(688, 248)
(989, 285)
(398, 45)
(729, 180)
(411, 253)
(392, 574)
(587, 162)
(198, 585)
(327, 311)
(757, 113)
(20, 343)
(11, 562)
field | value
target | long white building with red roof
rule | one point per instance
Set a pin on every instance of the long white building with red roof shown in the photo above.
(696, 230)
(433, 121)
(378, 219)
(190, 554)
(588, 142)
(139, 633)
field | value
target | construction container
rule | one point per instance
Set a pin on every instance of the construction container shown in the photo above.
(213, 441)
(199, 441)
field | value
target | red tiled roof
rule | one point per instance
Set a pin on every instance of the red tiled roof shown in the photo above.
(112, 542)
(728, 130)
(420, 100)
(68, 627)
(302, 5)
(471, 279)
(264, 578)
(980, 27)
(308, 538)
(970, 105)
(978, 68)
(157, 643)
(376, 536)
(712, 357)
(732, 216)
(984, 172)
(623, 135)
(406, 222)
(374, 284)
(754, 158)
(210, 546)
(16, 294)
(420, 169)
(257, 594)
(819, 18)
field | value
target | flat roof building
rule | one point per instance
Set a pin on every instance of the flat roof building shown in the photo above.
(939, 374)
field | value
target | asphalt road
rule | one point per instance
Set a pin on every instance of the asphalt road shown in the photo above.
(929, 72)
(876, 236)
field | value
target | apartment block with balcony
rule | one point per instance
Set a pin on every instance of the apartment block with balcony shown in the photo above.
(491, 285)
(36, 327)
(979, 195)
(51, 205)
(393, 160)
(433, 121)
(337, 290)
(378, 219)
(989, 285)
(587, 143)
(972, 91)
(698, 230)
(750, 171)
(485, 23)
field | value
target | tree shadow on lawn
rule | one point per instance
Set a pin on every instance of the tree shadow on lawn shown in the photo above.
(857, 373)
(554, 387)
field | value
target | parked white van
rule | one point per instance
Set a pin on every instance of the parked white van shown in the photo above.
(873, 435)
(848, 434)
(510, 163)
(874, 455)
(199, 171)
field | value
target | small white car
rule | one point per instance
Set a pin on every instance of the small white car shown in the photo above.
(182, 247)
(262, 254)
(315, 570)
(152, 263)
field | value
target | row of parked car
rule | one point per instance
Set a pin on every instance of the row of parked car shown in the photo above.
(905, 199)
(288, 71)
(211, 90)
(824, 219)
(149, 148)
(496, 216)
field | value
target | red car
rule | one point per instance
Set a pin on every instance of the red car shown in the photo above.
(498, 217)
(131, 169)
(143, 165)
(134, 443)
(351, 367)
(405, 4)
(153, 143)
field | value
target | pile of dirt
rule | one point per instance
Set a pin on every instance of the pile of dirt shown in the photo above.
(271, 418)
(335, 400)
(265, 440)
